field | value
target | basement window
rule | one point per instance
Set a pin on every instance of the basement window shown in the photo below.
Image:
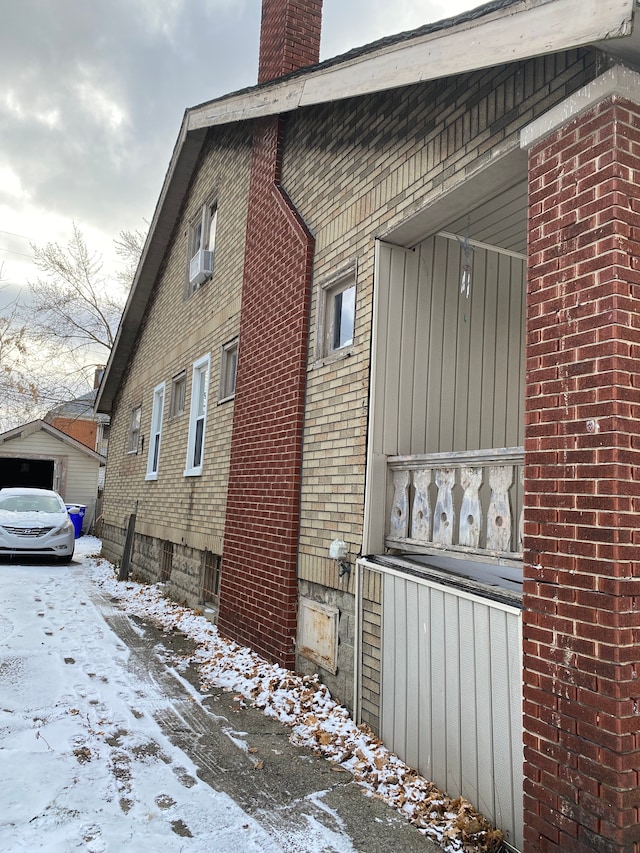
(166, 561)
(210, 578)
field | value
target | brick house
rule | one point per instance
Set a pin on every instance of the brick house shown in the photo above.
(409, 277)
(79, 419)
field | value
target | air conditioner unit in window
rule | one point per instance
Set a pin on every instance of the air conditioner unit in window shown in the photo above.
(201, 267)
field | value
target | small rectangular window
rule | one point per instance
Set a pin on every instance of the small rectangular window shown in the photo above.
(178, 394)
(153, 459)
(336, 313)
(228, 368)
(197, 416)
(134, 429)
(342, 317)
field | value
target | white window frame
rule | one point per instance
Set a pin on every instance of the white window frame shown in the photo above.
(155, 432)
(178, 402)
(228, 371)
(202, 235)
(342, 280)
(198, 418)
(133, 438)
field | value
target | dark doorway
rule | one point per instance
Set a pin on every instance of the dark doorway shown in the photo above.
(35, 473)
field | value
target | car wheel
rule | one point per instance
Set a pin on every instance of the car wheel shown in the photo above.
(66, 559)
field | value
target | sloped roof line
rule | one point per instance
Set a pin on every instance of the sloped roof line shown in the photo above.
(371, 47)
(27, 429)
(498, 32)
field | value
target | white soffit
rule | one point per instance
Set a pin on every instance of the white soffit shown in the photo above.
(530, 28)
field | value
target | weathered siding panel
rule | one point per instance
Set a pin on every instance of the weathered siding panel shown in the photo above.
(451, 693)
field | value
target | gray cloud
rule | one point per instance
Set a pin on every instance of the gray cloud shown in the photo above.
(94, 90)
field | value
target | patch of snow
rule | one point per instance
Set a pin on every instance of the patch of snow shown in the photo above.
(317, 721)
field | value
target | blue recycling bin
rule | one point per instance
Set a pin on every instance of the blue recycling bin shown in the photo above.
(76, 514)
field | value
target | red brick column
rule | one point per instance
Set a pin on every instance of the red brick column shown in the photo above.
(581, 626)
(259, 587)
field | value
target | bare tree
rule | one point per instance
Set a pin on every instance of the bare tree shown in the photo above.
(129, 248)
(75, 308)
(18, 393)
(51, 342)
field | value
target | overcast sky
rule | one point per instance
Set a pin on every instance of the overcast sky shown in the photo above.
(93, 93)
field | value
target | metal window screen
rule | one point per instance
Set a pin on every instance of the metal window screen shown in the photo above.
(166, 561)
(211, 578)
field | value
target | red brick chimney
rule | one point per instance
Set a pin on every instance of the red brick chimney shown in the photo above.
(258, 597)
(289, 36)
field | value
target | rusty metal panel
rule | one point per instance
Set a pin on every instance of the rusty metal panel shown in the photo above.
(318, 633)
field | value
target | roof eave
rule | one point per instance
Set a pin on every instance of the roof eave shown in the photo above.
(516, 32)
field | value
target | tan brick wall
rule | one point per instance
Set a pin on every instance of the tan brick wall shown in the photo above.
(356, 169)
(175, 332)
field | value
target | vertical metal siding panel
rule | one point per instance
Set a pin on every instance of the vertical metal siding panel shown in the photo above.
(489, 352)
(514, 634)
(515, 371)
(388, 698)
(500, 410)
(484, 711)
(392, 360)
(462, 368)
(450, 308)
(476, 340)
(438, 688)
(425, 764)
(400, 667)
(383, 282)
(408, 354)
(436, 338)
(468, 688)
(503, 758)
(421, 373)
(452, 676)
(451, 697)
(413, 710)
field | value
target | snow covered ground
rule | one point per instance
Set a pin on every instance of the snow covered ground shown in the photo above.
(84, 766)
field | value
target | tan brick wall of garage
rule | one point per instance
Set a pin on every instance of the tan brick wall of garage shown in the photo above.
(356, 169)
(175, 332)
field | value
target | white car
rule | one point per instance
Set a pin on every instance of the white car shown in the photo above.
(35, 522)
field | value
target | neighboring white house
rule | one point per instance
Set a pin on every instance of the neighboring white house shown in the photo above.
(37, 454)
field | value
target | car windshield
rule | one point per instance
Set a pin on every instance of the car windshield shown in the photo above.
(30, 503)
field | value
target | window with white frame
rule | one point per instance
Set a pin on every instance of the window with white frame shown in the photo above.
(178, 394)
(202, 245)
(228, 367)
(153, 459)
(134, 429)
(336, 313)
(197, 416)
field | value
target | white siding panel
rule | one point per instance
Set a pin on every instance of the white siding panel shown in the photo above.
(452, 365)
(451, 693)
